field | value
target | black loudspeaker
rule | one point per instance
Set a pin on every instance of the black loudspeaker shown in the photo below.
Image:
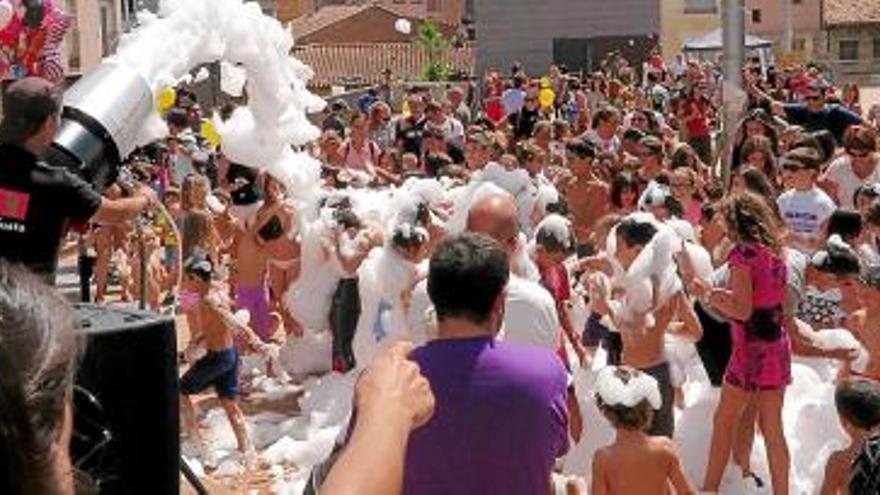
(126, 407)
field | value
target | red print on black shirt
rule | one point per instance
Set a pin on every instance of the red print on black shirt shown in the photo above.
(13, 204)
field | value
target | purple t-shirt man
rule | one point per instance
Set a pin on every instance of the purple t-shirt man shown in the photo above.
(500, 422)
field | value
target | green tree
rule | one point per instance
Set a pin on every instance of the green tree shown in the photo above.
(435, 45)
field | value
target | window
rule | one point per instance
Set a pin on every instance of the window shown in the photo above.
(799, 44)
(797, 2)
(700, 6)
(876, 47)
(756, 16)
(848, 49)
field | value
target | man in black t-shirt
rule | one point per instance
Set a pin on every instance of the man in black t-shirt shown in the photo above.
(523, 121)
(37, 201)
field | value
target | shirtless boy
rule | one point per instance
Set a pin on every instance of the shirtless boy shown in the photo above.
(644, 346)
(633, 451)
(219, 367)
(858, 406)
(587, 196)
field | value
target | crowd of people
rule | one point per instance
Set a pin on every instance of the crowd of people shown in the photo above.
(520, 230)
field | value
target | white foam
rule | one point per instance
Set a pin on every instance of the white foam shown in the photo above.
(559, 228)
(187, 34)
(615, 392)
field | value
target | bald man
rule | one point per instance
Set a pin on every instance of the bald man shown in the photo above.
(530, 316)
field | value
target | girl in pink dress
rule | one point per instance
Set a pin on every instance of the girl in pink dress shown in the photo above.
(760, 364)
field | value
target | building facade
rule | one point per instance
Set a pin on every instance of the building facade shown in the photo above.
(850, 40)
(682, 20)
(288, 10)
(448, 12)
(96, 27)
(335, 24)
(766, 18)
(578, 33)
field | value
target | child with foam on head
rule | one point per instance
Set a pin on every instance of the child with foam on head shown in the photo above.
(554, 244)
(831, 284)
(628, 399)
(219, 367)
(386, 281)
(851, 470)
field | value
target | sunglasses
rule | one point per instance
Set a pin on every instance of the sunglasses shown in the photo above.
(858, 153)
(813, 97)
(792, 167)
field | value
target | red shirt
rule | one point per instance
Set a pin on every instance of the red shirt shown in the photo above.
(555, 280)
(494, 108)
(697, 127)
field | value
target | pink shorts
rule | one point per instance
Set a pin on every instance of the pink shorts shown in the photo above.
(757, 364)
(256, 301)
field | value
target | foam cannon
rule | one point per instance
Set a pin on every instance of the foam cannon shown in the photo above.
(102, 116)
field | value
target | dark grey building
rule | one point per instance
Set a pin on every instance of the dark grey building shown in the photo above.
(578, 33)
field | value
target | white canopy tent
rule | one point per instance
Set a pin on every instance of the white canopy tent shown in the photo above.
(714, 42)
(710, 45)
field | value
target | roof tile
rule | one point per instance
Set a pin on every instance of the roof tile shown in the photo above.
(363, 63)
(328, 15)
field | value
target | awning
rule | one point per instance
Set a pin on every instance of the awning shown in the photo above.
(713, 41)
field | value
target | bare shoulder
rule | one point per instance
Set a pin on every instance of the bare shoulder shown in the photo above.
(600, 458)
(661, 443)
(836, 470)
(838, 458)
(663, 447)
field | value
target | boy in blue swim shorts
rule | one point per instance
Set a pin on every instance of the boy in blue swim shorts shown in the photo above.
(219, 367)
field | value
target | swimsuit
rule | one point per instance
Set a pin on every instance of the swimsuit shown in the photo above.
(663, 423)
(255, 299)
(217, 368)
